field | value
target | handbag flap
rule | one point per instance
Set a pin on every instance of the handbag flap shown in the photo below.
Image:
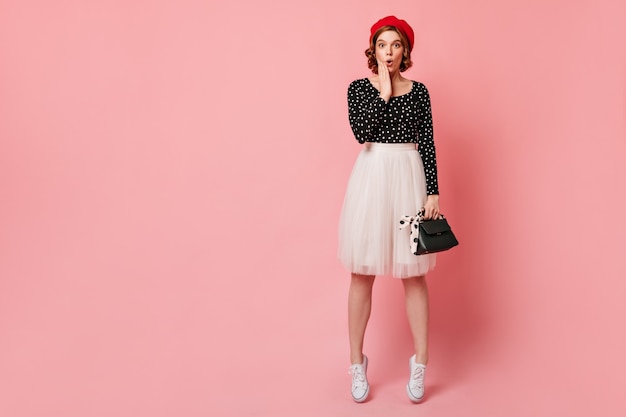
(434, 227)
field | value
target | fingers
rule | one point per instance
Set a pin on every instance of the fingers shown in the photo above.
(383, 71)
(431, 212)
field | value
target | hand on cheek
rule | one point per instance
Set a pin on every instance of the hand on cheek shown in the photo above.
(385, 81)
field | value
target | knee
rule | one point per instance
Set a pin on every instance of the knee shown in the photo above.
(419, 281)
(362, 280)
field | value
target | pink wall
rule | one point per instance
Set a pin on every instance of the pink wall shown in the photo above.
(171, 175)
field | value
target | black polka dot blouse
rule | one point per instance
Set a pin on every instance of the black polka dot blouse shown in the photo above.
(404, 119)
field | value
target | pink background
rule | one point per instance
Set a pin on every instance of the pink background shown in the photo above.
(171, 175)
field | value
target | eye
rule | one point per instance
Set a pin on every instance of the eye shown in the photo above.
(397, 45)
(381, 45)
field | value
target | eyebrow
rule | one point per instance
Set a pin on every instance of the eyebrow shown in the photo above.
(381, 40)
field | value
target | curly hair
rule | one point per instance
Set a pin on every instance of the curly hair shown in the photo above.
(370, 52)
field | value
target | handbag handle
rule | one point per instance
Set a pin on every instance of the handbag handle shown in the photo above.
(420, 216)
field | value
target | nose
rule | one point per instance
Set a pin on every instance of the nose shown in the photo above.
(388, 50)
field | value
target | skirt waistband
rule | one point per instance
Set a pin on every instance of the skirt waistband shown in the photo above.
(393, 147)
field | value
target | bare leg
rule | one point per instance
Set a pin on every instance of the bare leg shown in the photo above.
(359, 308)
(416, 295)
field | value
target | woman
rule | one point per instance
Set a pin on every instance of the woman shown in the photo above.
(390, 179)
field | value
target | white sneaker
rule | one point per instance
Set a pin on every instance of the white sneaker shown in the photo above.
(360, 386)
(415, 387)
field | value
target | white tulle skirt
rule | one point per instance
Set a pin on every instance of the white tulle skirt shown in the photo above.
(387, 182)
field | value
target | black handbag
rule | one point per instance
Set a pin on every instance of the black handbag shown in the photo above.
(429, 236)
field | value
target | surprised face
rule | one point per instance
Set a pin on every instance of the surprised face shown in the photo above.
(389, 50)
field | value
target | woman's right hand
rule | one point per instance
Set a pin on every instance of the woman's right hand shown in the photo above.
(385, 81)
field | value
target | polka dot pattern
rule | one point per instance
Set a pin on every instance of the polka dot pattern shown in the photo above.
(404, 119)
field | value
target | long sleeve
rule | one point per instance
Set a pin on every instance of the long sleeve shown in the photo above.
(425, 140)
(406, 118)
(365, 111)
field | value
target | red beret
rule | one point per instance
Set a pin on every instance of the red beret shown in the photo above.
(399, 24)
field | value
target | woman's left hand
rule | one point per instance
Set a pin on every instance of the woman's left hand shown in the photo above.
(431, 208)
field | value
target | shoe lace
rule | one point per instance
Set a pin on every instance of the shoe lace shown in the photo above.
(417, 378)
(358, 376)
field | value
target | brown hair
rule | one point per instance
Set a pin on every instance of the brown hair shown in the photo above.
(370, 52)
